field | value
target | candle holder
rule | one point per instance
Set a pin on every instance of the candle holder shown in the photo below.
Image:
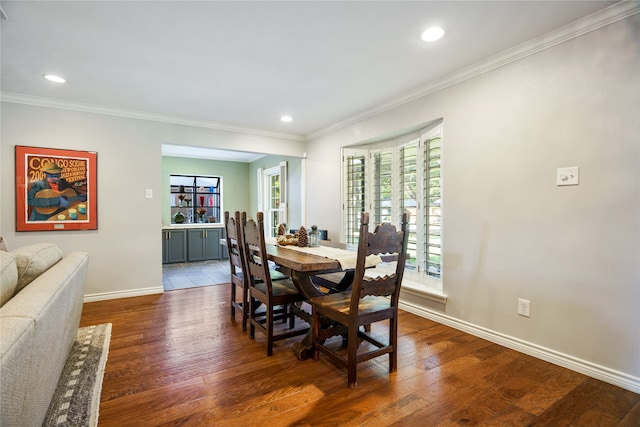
(314, 237)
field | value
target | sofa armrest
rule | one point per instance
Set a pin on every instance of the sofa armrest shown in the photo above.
(52, 303)
(16, 362)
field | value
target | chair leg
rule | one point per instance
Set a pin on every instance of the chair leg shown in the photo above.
(352, 359)
(245, 308)
(393, 341)
(292, 317)
(233, 300)
(252, 309)
(269, 327)
(315, 334)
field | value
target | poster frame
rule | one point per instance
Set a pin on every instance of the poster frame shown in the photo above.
(79, 177)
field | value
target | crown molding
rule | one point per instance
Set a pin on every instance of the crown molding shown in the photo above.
(607, 16)
(610, 15)
(16, 98)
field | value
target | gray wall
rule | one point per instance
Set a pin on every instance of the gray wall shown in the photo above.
(125, 251)
(509, 231)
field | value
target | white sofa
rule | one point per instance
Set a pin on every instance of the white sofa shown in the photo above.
(40, 306)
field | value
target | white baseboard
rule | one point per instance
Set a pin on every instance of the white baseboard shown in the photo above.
(123, 294)
(620, 379)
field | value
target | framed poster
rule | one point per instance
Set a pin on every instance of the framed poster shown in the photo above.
(56, 189)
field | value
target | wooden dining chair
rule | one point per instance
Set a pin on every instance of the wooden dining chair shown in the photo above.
(370, 300)
(277, 296)
(239, 300)
(239, 281)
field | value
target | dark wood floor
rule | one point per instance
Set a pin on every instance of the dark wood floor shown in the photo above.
(178, 359)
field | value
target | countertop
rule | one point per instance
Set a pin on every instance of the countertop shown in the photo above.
(193, 225)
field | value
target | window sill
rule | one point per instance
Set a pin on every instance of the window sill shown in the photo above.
(420, 290)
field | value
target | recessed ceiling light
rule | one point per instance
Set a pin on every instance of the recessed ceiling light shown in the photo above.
(54, 78)
(432, 34)
(286, 118)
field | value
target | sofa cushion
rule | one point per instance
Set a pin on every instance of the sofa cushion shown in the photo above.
(3, 244)
(8, 276)
(33, 260)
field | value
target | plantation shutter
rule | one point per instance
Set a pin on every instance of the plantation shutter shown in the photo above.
(354, 193)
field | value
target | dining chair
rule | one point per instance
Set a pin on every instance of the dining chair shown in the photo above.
(371, 299)
(239, 281)
(278, 296)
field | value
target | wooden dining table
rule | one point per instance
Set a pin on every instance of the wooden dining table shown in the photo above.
(302, 267)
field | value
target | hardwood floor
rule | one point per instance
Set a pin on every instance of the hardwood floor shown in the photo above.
(178, 359)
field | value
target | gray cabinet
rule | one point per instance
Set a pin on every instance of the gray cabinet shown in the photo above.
(174, 246)
(204, 244)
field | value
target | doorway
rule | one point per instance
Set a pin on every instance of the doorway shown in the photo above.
(184, 275)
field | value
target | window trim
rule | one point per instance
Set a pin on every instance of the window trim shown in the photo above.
(264, 193)
(419, 275)
(193, 186)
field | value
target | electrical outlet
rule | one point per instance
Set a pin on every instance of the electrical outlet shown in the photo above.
(523, 307)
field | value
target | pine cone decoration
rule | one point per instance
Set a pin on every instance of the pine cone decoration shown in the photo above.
(282, 230)
(303, 238)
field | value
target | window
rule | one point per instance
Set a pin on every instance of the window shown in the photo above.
(196, 197)
(391, 176)
(272, 197)
(354, 199)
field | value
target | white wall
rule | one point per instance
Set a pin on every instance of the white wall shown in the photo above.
(125, 251)
(509, 231)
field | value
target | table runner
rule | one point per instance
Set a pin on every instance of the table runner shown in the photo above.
(346, 258)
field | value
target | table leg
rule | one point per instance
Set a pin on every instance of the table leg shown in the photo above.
(305, 285)
(302, 349)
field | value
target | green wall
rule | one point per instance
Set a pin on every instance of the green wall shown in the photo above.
(235, 181)
(294, 172)
(239, 182)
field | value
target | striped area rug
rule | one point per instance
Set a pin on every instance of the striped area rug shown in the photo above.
(77, 398)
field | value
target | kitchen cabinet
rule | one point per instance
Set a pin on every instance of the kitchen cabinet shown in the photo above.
(204, 244)
(174, 246)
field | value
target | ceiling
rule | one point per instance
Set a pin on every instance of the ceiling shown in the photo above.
(241, 65)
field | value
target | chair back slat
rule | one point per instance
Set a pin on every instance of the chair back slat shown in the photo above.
(386, 240)
(234, 245)
(255, 250)
(379, 286)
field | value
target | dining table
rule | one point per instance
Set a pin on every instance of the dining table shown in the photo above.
(302, 264)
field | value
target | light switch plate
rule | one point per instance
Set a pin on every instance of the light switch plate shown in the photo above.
(568, 176)
(148, 193)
